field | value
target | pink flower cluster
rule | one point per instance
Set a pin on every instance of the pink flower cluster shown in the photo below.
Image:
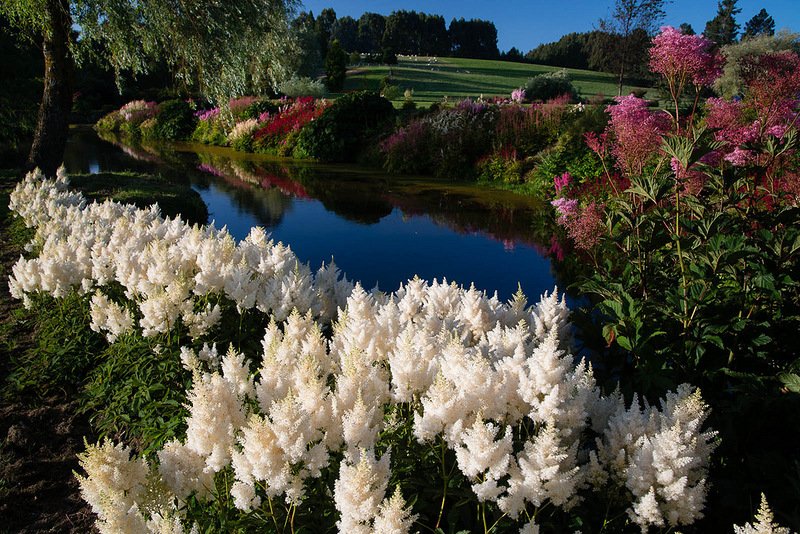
(562, 181)
(584, 225)
(637, 132)
(518, 95)
(207, 114)
(685, 57)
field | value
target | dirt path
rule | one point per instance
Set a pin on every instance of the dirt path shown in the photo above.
(41, 436)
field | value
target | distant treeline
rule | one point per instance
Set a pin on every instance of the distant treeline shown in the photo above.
(586, 50)
(402, 32)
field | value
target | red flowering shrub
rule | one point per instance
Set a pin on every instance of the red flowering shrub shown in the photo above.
(290, 118)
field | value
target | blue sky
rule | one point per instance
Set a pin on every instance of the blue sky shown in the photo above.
(528, 23)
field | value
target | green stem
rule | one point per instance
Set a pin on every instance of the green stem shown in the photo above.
(444, 486)
(680, 257)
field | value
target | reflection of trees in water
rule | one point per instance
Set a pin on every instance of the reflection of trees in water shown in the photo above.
(265, 189)
(244, 187)
(355, 200)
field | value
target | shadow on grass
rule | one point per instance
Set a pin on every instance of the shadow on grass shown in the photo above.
(143, 190)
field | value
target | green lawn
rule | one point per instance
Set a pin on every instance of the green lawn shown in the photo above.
(459, 78)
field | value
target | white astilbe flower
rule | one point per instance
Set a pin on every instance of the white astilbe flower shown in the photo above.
(557, 392)
(475, 313)
(544, 470)
(764, 523)
(481, 457)
(169, 524)
(113, 485)
(215, 416)
(261, 459)
(332, 290)
(672, 461)
(360, 426)
(393, 517)
(184, 472)
(440, 410)
(359, 490)
(357, 329)
(109, 317)
(552, 315)
(413, 362)
(201, 322)
(242, 129)
(529, 528)
(296, 437)
(236, 371)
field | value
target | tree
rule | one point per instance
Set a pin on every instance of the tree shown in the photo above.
(309, 62)
(370, 32)
(335, 66)
(570, 51)
(473, 38)
(435, 40)
(324, 28)
(723, 28)
(513, 54)
(345, 30)
(761, 24)
(403, 33)
(219, 47)
(627, 30)
(686, 29)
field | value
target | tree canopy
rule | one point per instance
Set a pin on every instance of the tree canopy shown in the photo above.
(761, 24)
(221, 49)
(723, 28)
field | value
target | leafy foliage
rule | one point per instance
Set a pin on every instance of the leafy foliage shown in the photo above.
(339, 133)
(550, 85)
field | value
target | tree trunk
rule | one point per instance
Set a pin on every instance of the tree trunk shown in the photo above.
(50, 138)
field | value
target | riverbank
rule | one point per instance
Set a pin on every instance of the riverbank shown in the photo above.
(47, 353)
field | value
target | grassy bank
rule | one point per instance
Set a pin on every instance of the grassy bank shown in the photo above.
(458, 78)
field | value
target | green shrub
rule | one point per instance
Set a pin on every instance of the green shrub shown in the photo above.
(339, 133)
(63, 349)
(137, 393)
(550, 85)
(296, 87)
(254, 110)
(175, 120)
(210, 132)
(497, 168)
(110, 122)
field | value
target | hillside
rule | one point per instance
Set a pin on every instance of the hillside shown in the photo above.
(433, 78)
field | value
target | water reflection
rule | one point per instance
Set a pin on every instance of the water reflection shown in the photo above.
(379, 228)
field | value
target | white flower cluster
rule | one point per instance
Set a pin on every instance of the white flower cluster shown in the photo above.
(478, 373)
(242, 129)
(494, 382)
(168, 270)
(764, 522)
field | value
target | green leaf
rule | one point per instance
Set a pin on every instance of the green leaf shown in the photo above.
(624, 342)
(790, 381)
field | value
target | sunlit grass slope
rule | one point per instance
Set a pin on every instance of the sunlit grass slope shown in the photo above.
(433, 78)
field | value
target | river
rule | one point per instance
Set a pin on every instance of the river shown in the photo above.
(380, 229)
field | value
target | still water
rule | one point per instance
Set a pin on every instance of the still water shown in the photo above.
(379, 229)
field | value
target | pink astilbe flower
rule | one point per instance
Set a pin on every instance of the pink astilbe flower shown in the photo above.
(637, 131)
(562, 181)
(207, 114)
(518, 95)
(684, 58)
(597, 143)
(565, 207)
